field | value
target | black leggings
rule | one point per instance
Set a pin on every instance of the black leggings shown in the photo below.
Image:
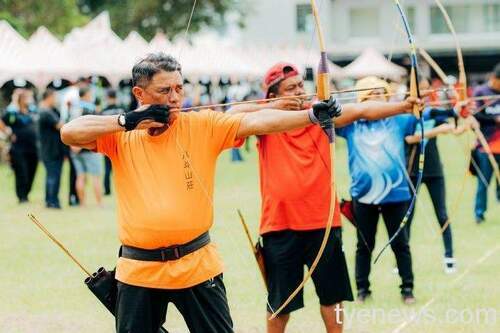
(366, 217)
(24, 164)
(437, 191)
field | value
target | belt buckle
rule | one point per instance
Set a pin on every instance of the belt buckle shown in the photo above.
(177, 253)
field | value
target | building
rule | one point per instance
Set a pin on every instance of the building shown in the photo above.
(350, 26)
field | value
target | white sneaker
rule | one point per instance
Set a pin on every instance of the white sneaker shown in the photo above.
(450, 265)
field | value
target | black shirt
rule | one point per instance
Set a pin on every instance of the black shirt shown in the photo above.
(23, 127)
(432, 164)
(51, 145)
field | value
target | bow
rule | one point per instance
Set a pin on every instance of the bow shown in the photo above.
(462, 98)
(323, 93)
(414, 92)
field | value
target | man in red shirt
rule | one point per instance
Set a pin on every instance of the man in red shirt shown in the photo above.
(295, 188)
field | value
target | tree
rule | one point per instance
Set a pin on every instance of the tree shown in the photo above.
(59, 16)
(170, 16)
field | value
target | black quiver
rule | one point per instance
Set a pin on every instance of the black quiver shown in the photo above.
(103, 285)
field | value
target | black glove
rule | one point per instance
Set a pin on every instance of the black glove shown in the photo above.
(155, 112)
(323, 112)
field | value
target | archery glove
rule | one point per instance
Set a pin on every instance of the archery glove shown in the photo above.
(156, 112)
(323, 112)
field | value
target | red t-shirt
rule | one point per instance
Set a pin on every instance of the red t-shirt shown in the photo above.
(295, 180)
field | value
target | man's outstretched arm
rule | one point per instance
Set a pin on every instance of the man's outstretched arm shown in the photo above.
(270, 121)
(84, 131)
(373, 110)
(275, 121)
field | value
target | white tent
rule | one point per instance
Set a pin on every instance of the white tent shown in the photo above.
(47, 59)
(12, 49)
(213, 55)
(98, 50)
(159, 43)
(135, 47)
(95, 49)
(373, 63)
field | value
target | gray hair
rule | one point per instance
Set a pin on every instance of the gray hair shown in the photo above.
(144, 70)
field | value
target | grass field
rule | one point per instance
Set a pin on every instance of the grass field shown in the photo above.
(42, 291)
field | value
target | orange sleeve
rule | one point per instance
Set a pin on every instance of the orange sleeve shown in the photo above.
(107, 145)
(223, 129)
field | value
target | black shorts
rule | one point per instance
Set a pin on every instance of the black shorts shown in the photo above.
(143, 310)
(286, 253)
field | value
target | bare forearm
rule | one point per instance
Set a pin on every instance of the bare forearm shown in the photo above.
(272, 121)
(371, 110)
(86, 130)
(441, 129)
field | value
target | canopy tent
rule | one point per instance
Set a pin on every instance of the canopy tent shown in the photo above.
(98, 50)
(12, 47)
(95, 49)
(135, 47)
(220, 57)
(47, 59)
(373, 63)
(159, 43)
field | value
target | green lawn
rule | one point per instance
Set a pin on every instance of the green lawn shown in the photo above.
(43, 291)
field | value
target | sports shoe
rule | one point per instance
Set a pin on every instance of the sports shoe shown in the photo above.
(363, 295)
(450, 265)
(407, 296)
(479, 219)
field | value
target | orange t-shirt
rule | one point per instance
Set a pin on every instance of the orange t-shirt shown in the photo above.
(162, 183)
(295, 180)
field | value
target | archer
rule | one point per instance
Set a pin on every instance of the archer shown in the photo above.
(164, 163)
(295, 177)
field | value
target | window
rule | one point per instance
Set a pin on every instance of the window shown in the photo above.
(474, 18)
(459, 15)
(491, 17)
(364, 22)
(305, 19)
(411, 14)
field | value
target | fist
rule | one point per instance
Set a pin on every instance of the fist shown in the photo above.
(147, 117)
(412, 102)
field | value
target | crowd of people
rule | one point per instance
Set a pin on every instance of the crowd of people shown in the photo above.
(33, 132)
(381, 134)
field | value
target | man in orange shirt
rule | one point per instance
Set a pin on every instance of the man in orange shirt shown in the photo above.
(164, 163)
(295, 188)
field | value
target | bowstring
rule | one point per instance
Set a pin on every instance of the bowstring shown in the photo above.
(181, 49)
(189, 161)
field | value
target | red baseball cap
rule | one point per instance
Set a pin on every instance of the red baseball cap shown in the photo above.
(278, 73)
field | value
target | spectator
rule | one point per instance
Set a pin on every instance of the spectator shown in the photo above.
(70, 109)
(112, 108)
(23, 152)
(85, 161)
(489, 120)
(52, 148)
(13, 105)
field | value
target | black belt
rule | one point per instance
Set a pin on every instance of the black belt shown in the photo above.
(165, 253)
